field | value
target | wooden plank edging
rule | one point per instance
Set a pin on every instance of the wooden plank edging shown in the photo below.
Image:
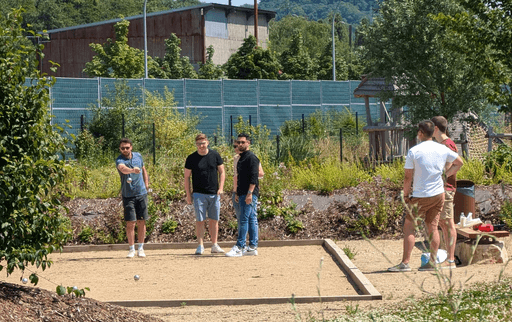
(355, 274)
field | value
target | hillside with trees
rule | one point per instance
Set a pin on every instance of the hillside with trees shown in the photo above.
(352, 11)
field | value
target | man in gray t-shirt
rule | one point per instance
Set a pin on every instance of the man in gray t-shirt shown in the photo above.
(134, 190)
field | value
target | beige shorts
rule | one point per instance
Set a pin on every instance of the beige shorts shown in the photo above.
(447, 212)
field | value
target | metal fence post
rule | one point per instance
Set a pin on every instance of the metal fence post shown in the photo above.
(231, 129)
(122, 115)
(278, 154)
(303, 125)
(341, 146)
(81, 123)
(489, 142)
(357, 123)
(154, 145)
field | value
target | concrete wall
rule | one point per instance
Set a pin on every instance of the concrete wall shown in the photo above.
(239, 26)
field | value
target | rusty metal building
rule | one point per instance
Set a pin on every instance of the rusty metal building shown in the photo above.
(223, 26)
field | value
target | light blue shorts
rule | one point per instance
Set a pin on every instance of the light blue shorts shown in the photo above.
(206, 206)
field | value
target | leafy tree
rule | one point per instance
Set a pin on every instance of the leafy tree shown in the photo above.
(325, 65)
(173, 64)
(30, 224)
(487, 27)
(252, 61)
(411, 49)
(296, 61)
(315, 34)
(351, 10)
(116, 59)
(209, 70)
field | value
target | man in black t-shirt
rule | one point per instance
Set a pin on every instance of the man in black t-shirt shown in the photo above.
(248, 192)
(207, 170)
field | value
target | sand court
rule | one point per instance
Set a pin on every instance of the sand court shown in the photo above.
(176, 275)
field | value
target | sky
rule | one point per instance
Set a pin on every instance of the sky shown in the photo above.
(237, 3)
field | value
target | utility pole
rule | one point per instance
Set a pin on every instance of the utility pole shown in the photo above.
(256, 20)
(145, 44)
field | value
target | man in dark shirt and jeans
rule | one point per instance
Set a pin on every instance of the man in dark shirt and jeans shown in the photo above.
(247, 192)
(205, 166)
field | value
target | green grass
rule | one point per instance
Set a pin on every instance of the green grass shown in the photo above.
(479, 302)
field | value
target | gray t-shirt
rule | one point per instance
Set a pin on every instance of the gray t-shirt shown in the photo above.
(136, 187)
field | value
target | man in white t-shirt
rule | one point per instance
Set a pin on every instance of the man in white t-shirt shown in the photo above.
(424, 167)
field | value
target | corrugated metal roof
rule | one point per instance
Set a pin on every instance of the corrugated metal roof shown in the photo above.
(204, 6)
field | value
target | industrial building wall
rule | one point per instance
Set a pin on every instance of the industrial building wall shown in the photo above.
(227, 34)
(70, 47)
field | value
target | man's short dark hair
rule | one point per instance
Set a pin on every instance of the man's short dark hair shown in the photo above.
(441, 123)
(125, 140)
(245, 135)
(427, 128)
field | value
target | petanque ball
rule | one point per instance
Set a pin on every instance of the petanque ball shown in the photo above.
(75, 288)
(24, 280)
(136, 277)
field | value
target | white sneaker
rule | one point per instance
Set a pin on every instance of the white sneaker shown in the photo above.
(234, 252)
(249, 251)
(140, 253)
(216, 249)
(200, 250)
(131, 253)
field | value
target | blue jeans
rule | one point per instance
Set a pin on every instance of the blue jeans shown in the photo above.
(236, 205)
(248, 222)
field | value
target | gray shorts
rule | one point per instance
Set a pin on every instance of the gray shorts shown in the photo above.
(206, 206)
(135, 208)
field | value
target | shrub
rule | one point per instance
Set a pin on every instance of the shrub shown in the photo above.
(86, 235)
(328, 175)
(31, 226)
(169, 226)
(506, 213)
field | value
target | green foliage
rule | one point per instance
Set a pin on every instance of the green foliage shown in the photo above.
(328, 175)
(296, 62)
(61, 290)
(82, 181)
(393, 172)
(501, 156)
(252, 62)
(321, 124)
(209, 70)
(86, 235)
(175, 66)
(506, 213)
(482, 301)
(90, 150)
(115, 58)
(169, 226)
(378, 211)
(325, 65)
(352, 11)
(431, 65)
(30, 169)
(296, 149)
(349, 252)
(491, 43)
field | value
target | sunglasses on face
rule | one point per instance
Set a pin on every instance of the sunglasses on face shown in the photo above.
(125, 148)
(235, 146)
(241, 142)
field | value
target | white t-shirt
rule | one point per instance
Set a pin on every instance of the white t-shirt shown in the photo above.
(428, 160)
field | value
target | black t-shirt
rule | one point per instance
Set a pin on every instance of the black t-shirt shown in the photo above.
(205, 178)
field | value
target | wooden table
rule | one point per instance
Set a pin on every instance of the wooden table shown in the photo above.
(486, 237)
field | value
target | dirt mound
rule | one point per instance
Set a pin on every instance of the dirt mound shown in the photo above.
(21, 303)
